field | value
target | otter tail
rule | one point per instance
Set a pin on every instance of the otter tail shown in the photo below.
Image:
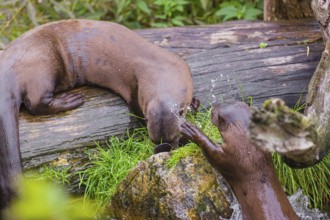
(10, 157)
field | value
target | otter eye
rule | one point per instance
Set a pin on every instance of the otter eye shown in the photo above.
(181, 112)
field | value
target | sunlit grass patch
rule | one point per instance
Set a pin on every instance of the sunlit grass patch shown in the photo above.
(110, 165)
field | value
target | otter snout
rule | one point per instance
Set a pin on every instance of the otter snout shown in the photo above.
(163, 126)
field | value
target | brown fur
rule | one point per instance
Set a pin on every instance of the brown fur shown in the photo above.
(62, 55)
(249, 171)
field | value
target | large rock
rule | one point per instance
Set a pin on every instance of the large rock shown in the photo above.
(190, 190)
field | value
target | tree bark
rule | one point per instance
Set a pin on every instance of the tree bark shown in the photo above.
(287, 9)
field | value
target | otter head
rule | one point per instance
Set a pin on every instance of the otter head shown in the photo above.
(163, 120)
(227, 113)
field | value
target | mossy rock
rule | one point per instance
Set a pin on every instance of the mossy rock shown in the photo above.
(190, 190)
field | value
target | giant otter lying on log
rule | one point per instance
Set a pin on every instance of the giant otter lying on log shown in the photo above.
(61, 55)
(248, 170)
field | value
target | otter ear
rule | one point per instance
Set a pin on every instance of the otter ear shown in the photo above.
(162, 148)
(194, 105)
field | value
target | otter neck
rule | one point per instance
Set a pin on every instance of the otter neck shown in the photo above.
(261, 196)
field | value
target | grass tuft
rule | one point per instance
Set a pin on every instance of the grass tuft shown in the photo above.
(51, 173)
(112, 164)
(190, 149)
(314, 181)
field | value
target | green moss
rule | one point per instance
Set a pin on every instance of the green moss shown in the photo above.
(203, 122)
(189, 150)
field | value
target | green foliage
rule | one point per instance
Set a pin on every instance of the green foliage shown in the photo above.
(298, 107)
(239, 9)
(51, 173)
(203, 122)
(190, 150)
(43, 200)
(17, 16)
(314, 181)
(169, 13)
(110, 166)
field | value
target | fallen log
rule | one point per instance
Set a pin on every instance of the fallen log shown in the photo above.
(226, 62)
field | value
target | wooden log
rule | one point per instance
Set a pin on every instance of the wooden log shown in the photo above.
(226, 62)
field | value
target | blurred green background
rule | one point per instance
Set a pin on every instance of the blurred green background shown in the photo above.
(18, 16)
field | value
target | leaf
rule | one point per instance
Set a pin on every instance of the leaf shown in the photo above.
(177, 21)
(180, 8)
(120, 6)
(204, 4)
(252, 13)
(95, 16)
(31, 11)
(12, 2)
(159, 25)
(142, 5)
(229, 12)
(161, 16)
(61, 8)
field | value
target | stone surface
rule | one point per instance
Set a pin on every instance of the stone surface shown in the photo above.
(190, 190)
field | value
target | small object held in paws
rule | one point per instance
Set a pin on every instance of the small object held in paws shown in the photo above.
(165, 147)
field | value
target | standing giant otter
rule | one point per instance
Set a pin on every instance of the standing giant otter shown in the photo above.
(249, 171)
(65, 54)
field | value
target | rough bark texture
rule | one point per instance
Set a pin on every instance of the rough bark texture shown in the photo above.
(286, 10)
(226, 63)
(321, 12)
(318, 101)
(317, 109)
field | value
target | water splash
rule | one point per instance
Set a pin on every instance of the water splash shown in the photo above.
(300, 202)
(213, 84)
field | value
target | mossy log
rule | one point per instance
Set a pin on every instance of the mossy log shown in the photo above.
(278, 128)
(226, 63)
